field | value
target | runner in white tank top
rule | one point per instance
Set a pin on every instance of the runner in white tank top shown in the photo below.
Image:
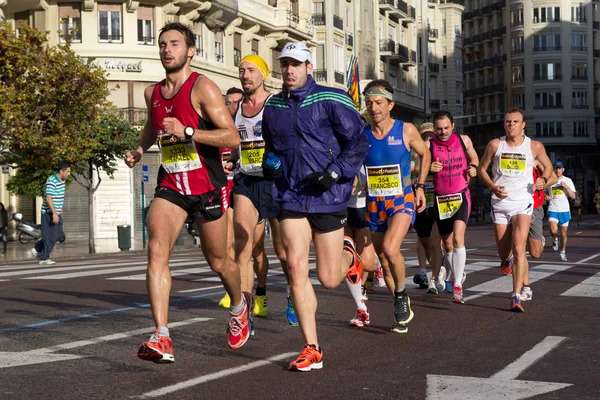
(513, 158)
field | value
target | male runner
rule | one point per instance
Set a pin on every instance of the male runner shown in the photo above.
(391, 202)
(513, 157)
(559, 211)
(454, 164)
(314, 148)
(191, 122)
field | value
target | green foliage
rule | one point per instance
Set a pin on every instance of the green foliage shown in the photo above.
(53, 108)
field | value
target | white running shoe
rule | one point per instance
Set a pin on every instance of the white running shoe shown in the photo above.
(440, 284)
(47, 262)
(563, 256)
(432, 288)
(543, 241)
(526, 293)
(555, 244)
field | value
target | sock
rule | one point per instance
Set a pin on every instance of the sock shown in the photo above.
(459, 258)
(239, 308)
(449, 270)
(423, 271)
(400, 287)
(400, 293)
(163, 330)
(356, 294)
(287, 291)
(261, 291)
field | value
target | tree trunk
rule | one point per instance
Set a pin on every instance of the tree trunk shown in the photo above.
(91, 239)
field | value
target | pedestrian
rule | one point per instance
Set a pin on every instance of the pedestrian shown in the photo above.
(391, 202)
(454, 164)
(578, 206)
(189, 118)
(314, 149)
(597, 201)
(52, 220)
(4, 226)
(513, 157)
(559, 212)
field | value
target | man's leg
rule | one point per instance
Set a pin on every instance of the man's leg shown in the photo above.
(520, 231)
(503, 233)
(563, 237)
(388, 277)
(245, 217)
(553, 226)
(275, 226)
(46, 244)
(260, 266)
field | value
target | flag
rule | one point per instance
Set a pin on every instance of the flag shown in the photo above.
(354, 82)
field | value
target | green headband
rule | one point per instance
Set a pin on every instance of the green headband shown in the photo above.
(378, 91)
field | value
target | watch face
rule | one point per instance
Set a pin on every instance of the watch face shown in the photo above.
(189, 131)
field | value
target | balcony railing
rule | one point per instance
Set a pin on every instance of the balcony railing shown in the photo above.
(319, 75)
(433, 33)
(293, 18)
(596, 53)
(387, 46)
(319, 19)
(548, 107)
(596, 25)
(74, 37)
(546, 48)
(435, 104)
(110, 38)
(579, 78)
(338, 22)
(434, 68)
(339, 77)
(555, 77)
(581, 106)
(579, 48)
(403, 53)
(135, 116)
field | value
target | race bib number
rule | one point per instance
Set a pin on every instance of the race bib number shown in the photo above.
(448, 205)
(225, 156)
(429, 191)
(557, 191)
(384, 180)
(178, 155)
(252, 155)
(513, 164)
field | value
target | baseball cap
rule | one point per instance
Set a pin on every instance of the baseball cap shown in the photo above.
(559, 164)
(297, 51)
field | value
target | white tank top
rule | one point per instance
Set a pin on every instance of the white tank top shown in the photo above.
(513, 169)
(252, 144)
(359, 198)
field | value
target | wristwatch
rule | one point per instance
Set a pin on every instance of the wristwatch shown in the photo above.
(333, 174)
(189, 132)
(420, 185)
(545, 179)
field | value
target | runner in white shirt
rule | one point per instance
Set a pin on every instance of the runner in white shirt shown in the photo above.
(559, 211)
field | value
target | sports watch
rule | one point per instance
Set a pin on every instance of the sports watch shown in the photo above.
(189, 132)
(333, 174)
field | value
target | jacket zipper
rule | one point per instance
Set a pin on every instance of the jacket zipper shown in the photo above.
(449, 166)
(298, 150)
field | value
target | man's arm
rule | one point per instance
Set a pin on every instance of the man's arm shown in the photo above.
(569, 188)
(539, 153)
(416, 143)
(148, 137)
(472, 158)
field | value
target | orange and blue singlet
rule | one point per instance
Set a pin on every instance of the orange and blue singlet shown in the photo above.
(388, 178)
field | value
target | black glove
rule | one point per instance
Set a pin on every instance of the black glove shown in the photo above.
(321, 180)
(269, 173)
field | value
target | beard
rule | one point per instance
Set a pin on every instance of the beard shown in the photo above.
(176, 67)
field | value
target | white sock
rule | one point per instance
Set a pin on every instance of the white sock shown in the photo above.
(459, 258)
(423, 271)
(354, 289)
(238, 309)
(163, 330)
(449, 270)
(287, 291)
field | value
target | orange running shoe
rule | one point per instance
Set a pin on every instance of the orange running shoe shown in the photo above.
(159, 349)
(361, 319)
(506, 266)
(239, 324)
(310, 358)
(356, 269)
(515, 304)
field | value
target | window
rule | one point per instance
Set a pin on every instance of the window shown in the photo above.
(517, 45)
(548, 100)
(518, 100)
(237, 49)
(219, 46)
(320, 58)
(546, 129)
(444, 61)
(393, 80)
(459, 93)
(456, 30)
(276, 65)
(579, 71)
(518, 74)
(547, 72)
(338, 59)
(546, 43)
(21, 18)
(580, 128)
(580, 100)
(458, 59)
(70, 21)
(578, 14)
(444, 26)
(145, 19)
(578, 42)
(255, 46)
(198, 38)
(546, 14)
(109, 23)
(319, 8)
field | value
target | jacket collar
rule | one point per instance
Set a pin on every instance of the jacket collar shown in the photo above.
(300, 93)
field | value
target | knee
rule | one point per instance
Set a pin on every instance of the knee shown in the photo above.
(519, 250)
(391, 253)
(535, 253)
(157, 248)
(329, 282)
(218, 264)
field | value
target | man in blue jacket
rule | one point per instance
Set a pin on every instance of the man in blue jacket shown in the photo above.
(315, 147)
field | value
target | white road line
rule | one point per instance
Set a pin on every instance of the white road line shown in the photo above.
(514, 369)
(177, 272)
(215, 375)
(469, 268)
(587, 259)
(588, 288)
(201, 289)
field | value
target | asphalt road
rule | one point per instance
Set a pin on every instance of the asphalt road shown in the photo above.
(71, 331)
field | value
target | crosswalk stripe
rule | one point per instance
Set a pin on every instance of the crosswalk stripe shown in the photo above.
(469, 268)
(177, 272)
(588, 288)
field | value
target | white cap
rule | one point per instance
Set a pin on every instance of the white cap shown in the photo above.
(297, 51)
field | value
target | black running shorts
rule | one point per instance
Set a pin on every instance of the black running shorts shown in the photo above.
(207, 206)
(321, 223)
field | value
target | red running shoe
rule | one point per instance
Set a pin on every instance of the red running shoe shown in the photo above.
(159, 349)
(356, 268)
(239, 324)
(310, 358)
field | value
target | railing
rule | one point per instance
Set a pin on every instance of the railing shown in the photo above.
(467, 41)
(403, 53)
(555, 77)
(516, 24)
(74, 37)
(110, 38)
(319, 75)
(596, 25)
(339, 77)
(319, 19)
(402, 6)
(579, 48)
(581, 106)
(293, 18)
(434, 68)
(547, 48)
(338, 22)
(499, 31)
(433, 33)
(434, 103)
(548, 107)
(579, 78)
(199, 52)
(516, 51)
(387, 45)
(413, 13)
(135, 116)
(596, 53)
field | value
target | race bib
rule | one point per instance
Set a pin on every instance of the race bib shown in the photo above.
(177, 155)
(448, 205)
(225, 156)
(429, 191)
(252, 155)
(513, 164)
(557, 191)
(384, 180)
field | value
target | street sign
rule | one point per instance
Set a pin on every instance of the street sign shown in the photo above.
(144, 173)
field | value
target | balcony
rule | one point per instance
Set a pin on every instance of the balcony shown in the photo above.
(579, 78)
(349, 39)
(339, 77)
(433, 34)
(580, 106)
(434, 104)
(387, 48)
(319, 19)
(398, 9)
(434, 68)
(320, 75)
(499, 32)
(579, 48)
(548, 107)
(338, 22)
(293, 18)
(554, 77)
(539, 49)
(136, 116)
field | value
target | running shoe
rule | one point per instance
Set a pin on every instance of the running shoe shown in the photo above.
(398, 327)
(225, 301)
(555, 244)
(526, 293)
(369, 286)
(432, 289)
(563, 256)
(515, 304)
(356, 269)
(361, 318)
(239, 324)
(457, 296)
(290, 314)
(363, 293)
(34, 252)
(46, 262)
(421, 280)
(403, 314)
(447, 287)
(543, 241)
(260, 306)
(310, 358)
(159, 349)
(506, 266)
(379, 277)
(439, 283)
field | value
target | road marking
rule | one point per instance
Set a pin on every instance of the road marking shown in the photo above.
(469, 268)
(44, 355)
(501, 385)
(215, 375)
(588, 288)
(177, 272)
(587, 259)
(578, 233)
(504, 284)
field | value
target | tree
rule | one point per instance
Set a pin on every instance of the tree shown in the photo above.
(53, 108)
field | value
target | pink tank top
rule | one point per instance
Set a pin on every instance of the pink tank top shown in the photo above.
(452, 154)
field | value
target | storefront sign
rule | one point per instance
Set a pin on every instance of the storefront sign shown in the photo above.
(123, 66)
